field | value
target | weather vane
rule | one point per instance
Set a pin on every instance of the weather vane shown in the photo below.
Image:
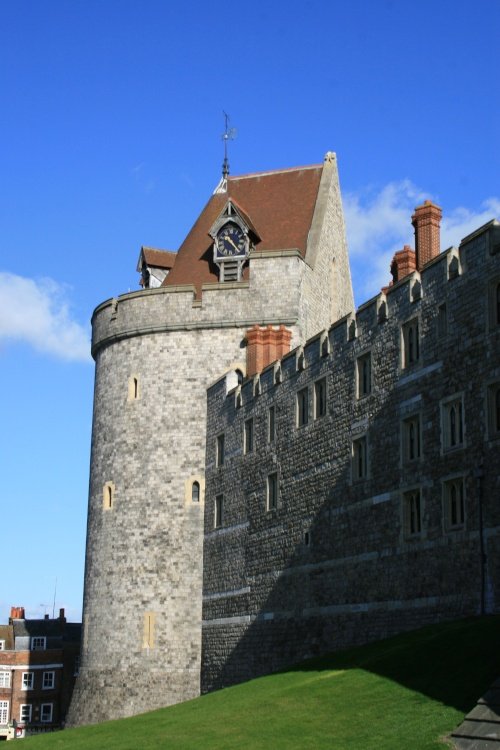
(228, 135)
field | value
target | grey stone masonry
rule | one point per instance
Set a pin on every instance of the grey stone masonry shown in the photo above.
(374, 507)
(156, 352)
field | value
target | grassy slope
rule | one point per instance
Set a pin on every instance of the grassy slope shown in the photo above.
(400, 694)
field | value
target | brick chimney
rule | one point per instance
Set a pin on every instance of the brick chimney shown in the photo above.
(17, 613)
(61, 615)
(426, 220)
(265, 345)
(403, 263)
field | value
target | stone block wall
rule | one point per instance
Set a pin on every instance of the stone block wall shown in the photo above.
(343, 559)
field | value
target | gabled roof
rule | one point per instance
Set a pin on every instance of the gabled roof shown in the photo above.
(155, 258)
(279, 205)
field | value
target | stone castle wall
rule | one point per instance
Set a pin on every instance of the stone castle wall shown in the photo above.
(339, 560)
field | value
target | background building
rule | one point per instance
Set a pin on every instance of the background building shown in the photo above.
(39, 660)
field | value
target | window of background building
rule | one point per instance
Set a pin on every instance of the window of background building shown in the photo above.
(410, 343)
(4, 679)
(454, 505)
(364, 375)
(272, 491)
(412, 513)
(46, 712)
(302, 407)
(38, 643)
(25, 713)
(359, 458)
(27, 680)
(320, 398)
(4, 712)
(248, 436)
(48, 680)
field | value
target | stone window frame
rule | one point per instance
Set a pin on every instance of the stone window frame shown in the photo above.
(108, 495)
(364, 379)
(218, 511)
(38, 643)
(51, 681)
(219, 450)
(134, 391)
(302, 407)
(45, 715)
(453, 490)
(272, 491)
(320, 398)
(189, 492)
(2, 645)
(5, 678)
(493, 409)
(25, 712)
(27, 680)
(407, 422)
(452, 423)
(148, 630)
(360, 464)
(493, 298)
(248, 436)
(442, 321)
(4, 711)
(410, 347)
(413, 513)
(271, 424)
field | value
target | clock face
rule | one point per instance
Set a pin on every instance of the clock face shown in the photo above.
(230, 241)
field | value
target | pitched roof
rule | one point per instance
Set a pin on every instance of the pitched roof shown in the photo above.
(156, 258)
(280, 206)
(7, 635)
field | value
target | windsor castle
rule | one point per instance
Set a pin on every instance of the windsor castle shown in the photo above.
(274, 474)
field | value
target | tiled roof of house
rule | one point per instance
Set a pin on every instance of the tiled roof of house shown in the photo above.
(280, 206)
(7, 635)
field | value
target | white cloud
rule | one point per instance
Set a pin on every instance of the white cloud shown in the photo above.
(379, 223)
(37, 312)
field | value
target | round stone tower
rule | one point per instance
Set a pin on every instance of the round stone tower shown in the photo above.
(156, 352)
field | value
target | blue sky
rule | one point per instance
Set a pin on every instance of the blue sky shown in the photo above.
(110, 132)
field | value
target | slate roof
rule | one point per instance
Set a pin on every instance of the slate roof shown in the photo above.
(279, 205)
(52, 628)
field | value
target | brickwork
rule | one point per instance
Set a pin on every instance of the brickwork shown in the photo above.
(358, 546)
(156, 353)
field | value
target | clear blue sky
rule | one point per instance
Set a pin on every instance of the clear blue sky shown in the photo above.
(110, 138)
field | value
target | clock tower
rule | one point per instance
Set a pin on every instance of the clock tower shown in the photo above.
(232, 243)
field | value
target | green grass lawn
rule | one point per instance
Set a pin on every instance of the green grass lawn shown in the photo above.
(405, 693)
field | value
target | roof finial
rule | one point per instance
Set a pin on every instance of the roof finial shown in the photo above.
(228, 135)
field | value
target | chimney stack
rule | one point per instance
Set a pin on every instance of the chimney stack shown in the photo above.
(403, 263)
(266, 345)
(426, 220)
(17, 613)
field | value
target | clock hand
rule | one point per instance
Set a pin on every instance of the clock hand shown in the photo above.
(228, 239)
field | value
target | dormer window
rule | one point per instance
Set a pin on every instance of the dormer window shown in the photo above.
(38, 643)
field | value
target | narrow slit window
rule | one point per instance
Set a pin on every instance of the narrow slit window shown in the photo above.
(195, 492)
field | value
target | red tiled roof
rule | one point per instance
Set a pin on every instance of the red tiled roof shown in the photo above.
(280, 206)
(158, 258)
